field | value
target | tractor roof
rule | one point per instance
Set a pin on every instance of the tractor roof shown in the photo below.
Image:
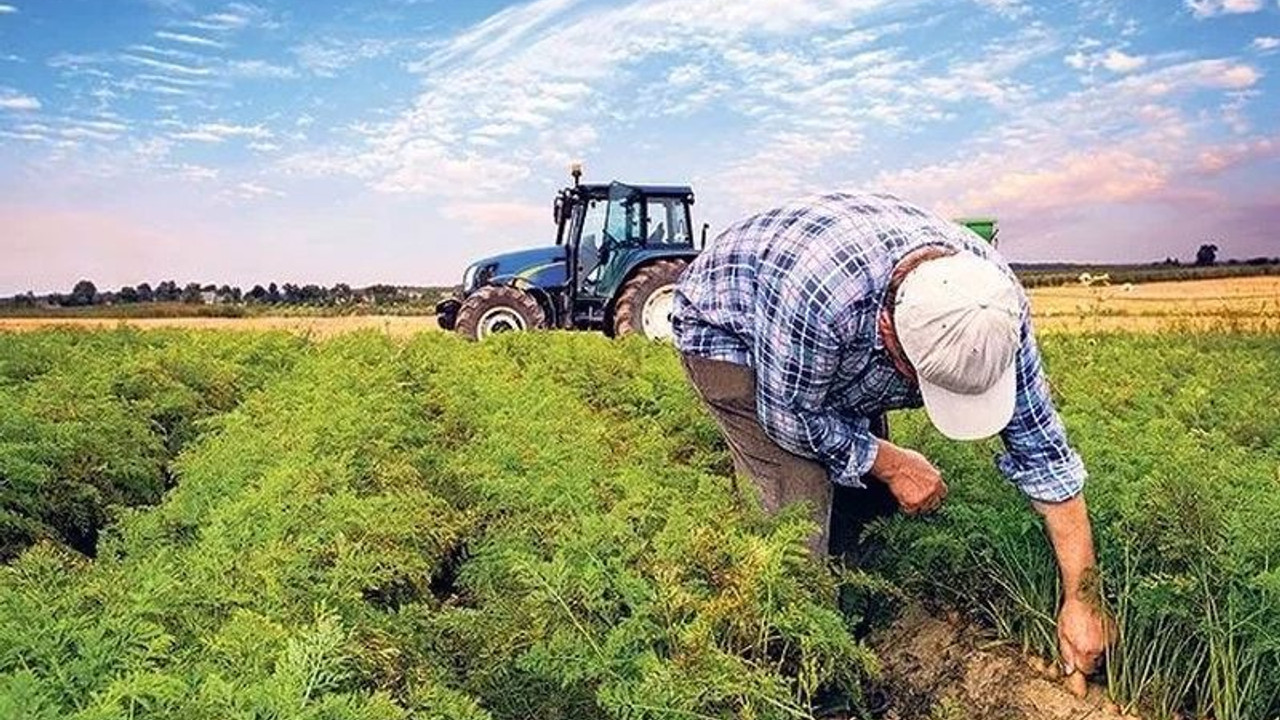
(602, 189)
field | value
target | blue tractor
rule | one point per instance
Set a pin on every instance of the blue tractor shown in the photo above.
(619, 251)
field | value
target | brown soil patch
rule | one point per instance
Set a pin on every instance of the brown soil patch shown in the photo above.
(947, 669)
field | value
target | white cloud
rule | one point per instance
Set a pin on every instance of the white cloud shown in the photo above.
(1265, 43)
(14, 100)
(249, 190)
(196, 172)
(187, 39)
(260, 69)
(264, 147)
(7, 9)
(167, 66)
(218, 132)
(1117, 61)
(1011, 8)
(1202, 9)
(327, 56)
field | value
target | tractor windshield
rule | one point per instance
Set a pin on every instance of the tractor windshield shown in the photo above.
(622, 219)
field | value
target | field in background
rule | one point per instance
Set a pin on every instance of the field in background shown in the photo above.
(1246, 303)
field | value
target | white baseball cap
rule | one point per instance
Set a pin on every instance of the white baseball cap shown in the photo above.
(959, 321)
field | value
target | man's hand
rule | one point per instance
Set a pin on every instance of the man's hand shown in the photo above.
(914, 481)
(1083, 635)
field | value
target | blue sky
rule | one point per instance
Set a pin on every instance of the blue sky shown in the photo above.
(395, 140)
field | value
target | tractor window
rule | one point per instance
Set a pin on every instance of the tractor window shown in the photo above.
(593, 224)
(622, 224)
(668, 222)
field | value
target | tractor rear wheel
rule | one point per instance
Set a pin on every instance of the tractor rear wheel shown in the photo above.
(497, 309)
(646, 302)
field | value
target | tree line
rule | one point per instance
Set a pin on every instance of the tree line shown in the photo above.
(85, 294)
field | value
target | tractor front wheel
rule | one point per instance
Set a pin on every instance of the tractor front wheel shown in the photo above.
(646, 302)
(497, 309)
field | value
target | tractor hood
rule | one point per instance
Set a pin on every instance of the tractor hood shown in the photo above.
(541, 266)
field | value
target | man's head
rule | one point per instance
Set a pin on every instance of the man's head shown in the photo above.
(958, 320)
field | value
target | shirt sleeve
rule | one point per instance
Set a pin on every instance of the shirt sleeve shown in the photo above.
(1038, 458)
(795, 366)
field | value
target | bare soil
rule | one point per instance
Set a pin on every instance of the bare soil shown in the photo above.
(943, 668)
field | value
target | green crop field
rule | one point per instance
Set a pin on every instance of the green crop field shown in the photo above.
(216, 525)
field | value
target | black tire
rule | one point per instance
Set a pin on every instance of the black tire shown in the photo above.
(498, 308)
(648, 282)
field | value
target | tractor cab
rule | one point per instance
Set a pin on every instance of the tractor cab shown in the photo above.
(611, 231)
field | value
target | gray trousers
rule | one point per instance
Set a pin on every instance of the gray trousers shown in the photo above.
(779, 477)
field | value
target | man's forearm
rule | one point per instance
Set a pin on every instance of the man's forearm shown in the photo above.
(1072, 538)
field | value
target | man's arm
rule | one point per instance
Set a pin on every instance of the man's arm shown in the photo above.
(1043, 465)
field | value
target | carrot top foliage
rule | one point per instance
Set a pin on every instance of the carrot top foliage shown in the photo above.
(547, 526)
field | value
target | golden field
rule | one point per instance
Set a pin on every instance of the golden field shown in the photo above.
(1248, 303)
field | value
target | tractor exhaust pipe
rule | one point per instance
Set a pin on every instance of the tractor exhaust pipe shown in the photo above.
(576, 171)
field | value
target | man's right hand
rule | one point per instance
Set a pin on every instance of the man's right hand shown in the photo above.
(914, 481)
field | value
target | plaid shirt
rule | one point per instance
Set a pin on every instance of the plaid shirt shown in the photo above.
(794, 293)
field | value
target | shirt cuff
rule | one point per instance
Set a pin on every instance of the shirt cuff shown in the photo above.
(1052, 481)
(862, 455)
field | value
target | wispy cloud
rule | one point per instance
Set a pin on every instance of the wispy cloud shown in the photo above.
(249, 190)
(235, 16)
(219, 132)
(326, 57)
(260, 69)
(15, 100)
(7, 9)
(187, 39)
(167, 66)
(1209, 8)
(1265, 43)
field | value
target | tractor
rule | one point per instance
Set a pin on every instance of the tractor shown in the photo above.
(620, 250)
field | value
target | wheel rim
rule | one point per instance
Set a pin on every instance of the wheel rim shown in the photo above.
(655, 317)
(500, 320)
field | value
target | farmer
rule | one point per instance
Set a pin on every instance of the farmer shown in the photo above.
(802, 325)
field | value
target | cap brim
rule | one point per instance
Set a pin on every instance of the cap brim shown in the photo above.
(972, 417)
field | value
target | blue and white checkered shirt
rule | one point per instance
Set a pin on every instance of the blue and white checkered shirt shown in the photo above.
(794, 293)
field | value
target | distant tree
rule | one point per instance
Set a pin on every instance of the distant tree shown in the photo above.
(1207, 254)
(273, 294)
(290, 293)
(340, 294)
(236, 294)
(27, 299)
(313, 295)
(257, 294)
(382, 294)
(128, 294)
(168, 291)
(84, 293)
(191, 294)
(145, 293)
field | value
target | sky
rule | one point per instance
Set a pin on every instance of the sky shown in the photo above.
(367, 141)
